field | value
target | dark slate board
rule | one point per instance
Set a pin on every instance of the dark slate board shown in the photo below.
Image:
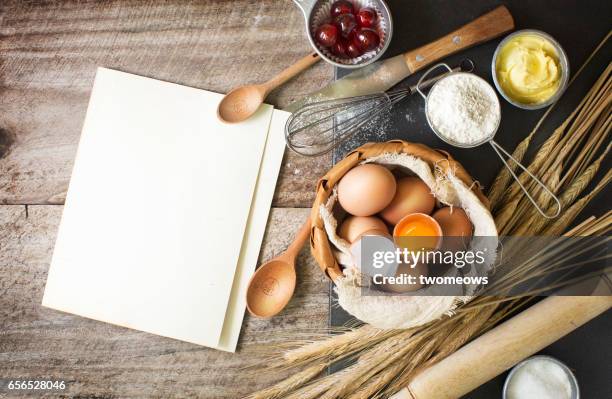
(579, 26)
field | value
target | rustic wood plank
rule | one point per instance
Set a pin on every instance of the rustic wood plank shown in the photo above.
(49, 52)
(105, 361)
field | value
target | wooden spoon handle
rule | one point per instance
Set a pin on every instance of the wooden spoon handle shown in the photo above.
(300, 239)
(482, 29)
(292, 71)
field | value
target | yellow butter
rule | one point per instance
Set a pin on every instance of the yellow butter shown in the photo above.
(528, 69)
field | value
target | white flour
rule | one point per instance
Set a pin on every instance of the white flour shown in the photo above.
(463, 108)
(539, 378)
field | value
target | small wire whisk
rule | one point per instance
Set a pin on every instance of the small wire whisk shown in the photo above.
(319, 127)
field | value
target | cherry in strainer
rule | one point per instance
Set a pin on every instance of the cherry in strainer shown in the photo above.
(317, 13)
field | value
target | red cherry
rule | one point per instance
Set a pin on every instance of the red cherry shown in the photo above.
(345, 23)
(342, 7)
(352, 50)
(365, 38)
(366, 17)
(351, 36)
(339, 49)
(326, 35)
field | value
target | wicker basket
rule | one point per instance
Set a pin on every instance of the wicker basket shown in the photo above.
(320, 245)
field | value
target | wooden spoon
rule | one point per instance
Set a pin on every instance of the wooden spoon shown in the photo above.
(272, 285)
(242, 102)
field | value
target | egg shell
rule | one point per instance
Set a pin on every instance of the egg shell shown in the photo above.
(454, 222)
(412, 196)
(355, 248)
(354, 226)
(366, 189)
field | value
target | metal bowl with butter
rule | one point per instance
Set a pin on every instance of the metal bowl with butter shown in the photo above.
(530, 69)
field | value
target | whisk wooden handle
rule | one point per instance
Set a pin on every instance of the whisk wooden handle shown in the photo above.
(482, 29)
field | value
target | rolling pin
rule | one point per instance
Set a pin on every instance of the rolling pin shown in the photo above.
(382, 75)
(504, 346)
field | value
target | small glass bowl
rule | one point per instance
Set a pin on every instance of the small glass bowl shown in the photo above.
(563, 61)
(570, 375)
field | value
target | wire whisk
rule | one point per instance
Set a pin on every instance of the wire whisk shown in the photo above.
(319, 127)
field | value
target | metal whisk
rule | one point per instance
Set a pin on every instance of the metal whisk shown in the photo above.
(319, 127)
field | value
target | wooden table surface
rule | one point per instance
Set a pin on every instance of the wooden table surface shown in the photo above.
(49, 51)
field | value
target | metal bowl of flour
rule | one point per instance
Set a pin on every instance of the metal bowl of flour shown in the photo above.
(575, 390)
(489, 137)
(450, 74)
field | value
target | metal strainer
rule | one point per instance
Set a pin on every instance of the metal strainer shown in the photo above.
(488, 139)
(317, 12)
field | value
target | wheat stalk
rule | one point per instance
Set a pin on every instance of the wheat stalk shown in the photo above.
(519, 211)
(295, 381)
(557, 147)
(570, 214)
(589, 151)
(503, 178)
(339, 344)
(537, 222)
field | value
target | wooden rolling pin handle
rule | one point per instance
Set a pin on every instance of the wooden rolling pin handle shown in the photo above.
(504, 346)
(482, 29)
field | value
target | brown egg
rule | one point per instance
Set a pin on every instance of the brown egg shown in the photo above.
(366, 189)
(420, 269)
(454, 223)
(412, 196)
(354, 226)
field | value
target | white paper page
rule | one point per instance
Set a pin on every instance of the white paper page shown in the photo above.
(156, 209)
(253, 237)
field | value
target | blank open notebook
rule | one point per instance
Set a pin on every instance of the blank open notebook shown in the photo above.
(165, 212)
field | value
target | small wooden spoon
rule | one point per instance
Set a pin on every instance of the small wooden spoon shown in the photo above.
(242, 102)
(272, 285)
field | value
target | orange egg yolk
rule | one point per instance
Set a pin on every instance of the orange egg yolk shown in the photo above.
(418, 228)
(419, 232)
